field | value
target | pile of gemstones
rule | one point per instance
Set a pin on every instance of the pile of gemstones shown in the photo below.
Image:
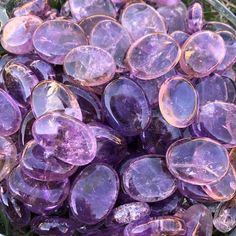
(118, 118)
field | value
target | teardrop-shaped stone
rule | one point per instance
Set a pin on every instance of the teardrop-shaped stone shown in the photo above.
(195, 17)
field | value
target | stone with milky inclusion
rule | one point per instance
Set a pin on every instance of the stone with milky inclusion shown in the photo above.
(202, 53)
(94, 193)
(17, 34)
(199, 161)
(89, 66)
(143, 15)
(71, 140)
(49, 96)
(195, 17)
(153, 56)
(178, 102)
(198, 221)
(147, 179)
(112, 37)
(10, 115)
(55, 38)
(218, 26)
(180, 36)
(126, 107)
(40, 197)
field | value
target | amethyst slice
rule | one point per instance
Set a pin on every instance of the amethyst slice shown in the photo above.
(195, 17)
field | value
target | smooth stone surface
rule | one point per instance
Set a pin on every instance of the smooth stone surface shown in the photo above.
(17, 34)
(153, 56)
(178, 102)
(126, 107)
(218, 26)
(166, 2)
(10, 115)
(147, 179)
(198, 220)
(195, 17)
(40, 197)
(89, 66)
(143, 15)
(54, 39)
(49, 96)
(94, 193)
(202, 53)
(71, 140)
(180, 37)
(197, 161)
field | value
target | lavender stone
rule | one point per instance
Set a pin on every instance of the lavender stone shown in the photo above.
(180, 37)
(218, 26)
(195, 17)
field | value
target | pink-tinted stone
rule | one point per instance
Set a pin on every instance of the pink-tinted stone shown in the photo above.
(153, 56)
(202, 53)
(145, 17)
(126, 106)
(10, 115)
(147, 179)
(218, 26)
(89, 66)
(17, 34)
(178, 101)
(166, 2)
(40, 197)
(180, 37)
(198, 221)
(83, 9)
(71, 140)
(198, 161)
(54, 39)
(94, 193)
(225, 216)
(195, 17)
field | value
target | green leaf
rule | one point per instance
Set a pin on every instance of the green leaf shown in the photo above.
(4, 224)
(56, 3)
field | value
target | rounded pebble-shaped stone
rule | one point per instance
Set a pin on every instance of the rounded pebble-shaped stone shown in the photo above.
(217, 26)
(94, 193)
(55, 38)
(147, 179)
(126, 107)
(17, 34)
(71, 140)
(40, 197)
(195, 17)
(153, 56)
(89, 66)
(10, 115)
(197, 161)
(180, 37)
(202, 53)
(166, 2)
(178, 101)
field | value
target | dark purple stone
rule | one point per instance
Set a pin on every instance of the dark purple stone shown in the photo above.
(180, 37)
(3, 61)
(114, 231)
(195, 17)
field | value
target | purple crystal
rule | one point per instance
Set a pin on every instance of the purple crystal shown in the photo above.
(198, 161)
(218, 26)
(71, 140)
(94, 193)
(166, 2)
(195, 17)
(65, 10)
(180, 37)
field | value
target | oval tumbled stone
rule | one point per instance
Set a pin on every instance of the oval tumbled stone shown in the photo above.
(198, 161)
(94, 193)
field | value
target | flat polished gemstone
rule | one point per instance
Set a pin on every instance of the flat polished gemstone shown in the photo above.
(71, 140)
(89, 66)
(153, 56)
(218, 26)
(94, 193)
(147, 179)
(195, 17)
(180, 37)
(55, 38)
(197, 161)
(166, 2)
(17, 34)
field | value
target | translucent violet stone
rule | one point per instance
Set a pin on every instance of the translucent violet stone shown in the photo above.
(94, 193)
(199, 161)
(178, 101)
(180, 37)
(71, 140)
(217, 26)
(153, 56)
(195, 17)
(143, 15)
(126, 107)
(55, 38)
(89, 66)
(166, 2)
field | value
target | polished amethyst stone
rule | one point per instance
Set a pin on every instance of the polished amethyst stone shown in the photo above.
(178, 102)
(89, 66)
(197, 161)
(166, 2)
(94, 193)
(218, 26)
(17, 34)
(195, 17)
(126, 106)
(10, 115)
(71, 140)
(153, 56)
(65, 10)
(198, 221)
(40, 197)
(54, 39)
(145, 17)
(147, 179)
(180, 37)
